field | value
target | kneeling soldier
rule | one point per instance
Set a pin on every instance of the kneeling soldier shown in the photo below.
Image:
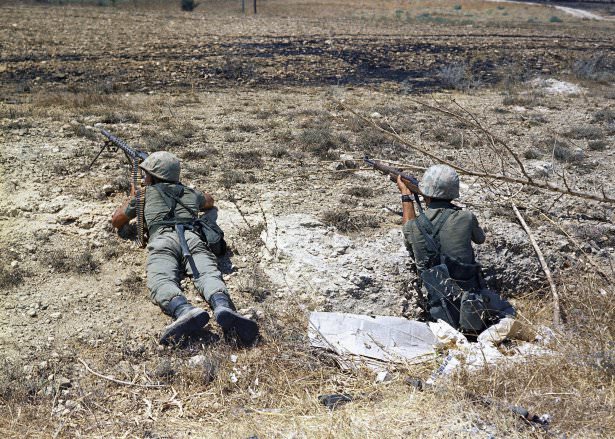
(175, 247)
(441, 241)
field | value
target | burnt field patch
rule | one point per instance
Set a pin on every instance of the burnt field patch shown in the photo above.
(144, 61)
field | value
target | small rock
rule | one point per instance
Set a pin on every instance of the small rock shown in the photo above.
(63, 383)
(334, 400)
(197, 360)
(164, 369)
(14, 264)
(32, 313)
(383, 377)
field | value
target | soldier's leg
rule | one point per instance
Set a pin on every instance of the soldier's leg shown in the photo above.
(163, 277)
(213, 289)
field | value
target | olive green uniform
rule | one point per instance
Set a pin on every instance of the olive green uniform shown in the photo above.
(456, 235)
(165, 262)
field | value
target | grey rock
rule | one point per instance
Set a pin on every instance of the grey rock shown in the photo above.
(63, 383)
(164, 369)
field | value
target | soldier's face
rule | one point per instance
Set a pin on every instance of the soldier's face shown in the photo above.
(147, 179)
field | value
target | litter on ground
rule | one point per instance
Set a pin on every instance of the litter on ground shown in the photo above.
(379, 341)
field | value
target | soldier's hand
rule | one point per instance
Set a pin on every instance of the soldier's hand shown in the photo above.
(401, 185)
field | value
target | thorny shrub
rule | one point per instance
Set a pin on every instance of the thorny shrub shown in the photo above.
(79, 100)
(606, 115)
(199, 154)
(584, 132)
(60, 260)
(81, 131)
(10, 277)
(279, 151)
(595, 68)
(114, 117)
(321, 142)
(597, 145)
(344, 221)
(566, 154)
(248, 159)
(232, 177)
(235, 68)
(156, 141)
(360, 191)
(454, 76)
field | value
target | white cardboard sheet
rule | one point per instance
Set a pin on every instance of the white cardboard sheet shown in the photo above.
(383, 338)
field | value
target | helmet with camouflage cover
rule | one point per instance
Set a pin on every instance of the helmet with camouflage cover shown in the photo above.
(162, 165)
(440, 181)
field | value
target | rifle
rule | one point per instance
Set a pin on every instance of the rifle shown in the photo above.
(135, 157)
(411, 181)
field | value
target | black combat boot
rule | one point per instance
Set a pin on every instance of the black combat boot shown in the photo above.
(230, 320)
(188, 319)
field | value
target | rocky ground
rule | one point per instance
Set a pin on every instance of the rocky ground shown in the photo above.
(252, 107)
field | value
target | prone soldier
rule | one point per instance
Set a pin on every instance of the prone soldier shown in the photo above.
(175, 246)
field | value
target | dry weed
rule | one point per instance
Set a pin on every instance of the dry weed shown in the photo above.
(344, 221)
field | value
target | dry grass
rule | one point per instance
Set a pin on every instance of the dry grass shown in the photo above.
(76, 101)
(62, 261)
(322, 142)
(232, 177)
(345, 221)
(576, 385)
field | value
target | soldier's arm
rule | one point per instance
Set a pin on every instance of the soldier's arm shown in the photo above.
(478, 235)
(207, 203)
(125, 212)
(407, 207)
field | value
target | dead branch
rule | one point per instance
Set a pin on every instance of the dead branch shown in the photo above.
(487, 175)
(545, 267)
(125, 383)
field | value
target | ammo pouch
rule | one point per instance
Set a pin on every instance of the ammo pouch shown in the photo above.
(209, 232)
(443, 294)
(482, 308)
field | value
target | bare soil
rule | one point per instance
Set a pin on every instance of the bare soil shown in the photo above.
(251, 105)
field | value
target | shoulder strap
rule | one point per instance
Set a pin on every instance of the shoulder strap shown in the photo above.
(430, 231)
(173, 203)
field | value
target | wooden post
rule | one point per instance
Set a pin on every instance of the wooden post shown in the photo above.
(254, 7)
(243, 6)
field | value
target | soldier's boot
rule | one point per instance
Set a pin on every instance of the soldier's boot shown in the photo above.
(230, 320)
(188, 319)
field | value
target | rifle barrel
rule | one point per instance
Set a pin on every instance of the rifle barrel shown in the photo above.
(132, 153)
(414, 183)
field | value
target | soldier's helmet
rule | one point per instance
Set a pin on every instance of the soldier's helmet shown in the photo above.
(440, 181)
(162, 165)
